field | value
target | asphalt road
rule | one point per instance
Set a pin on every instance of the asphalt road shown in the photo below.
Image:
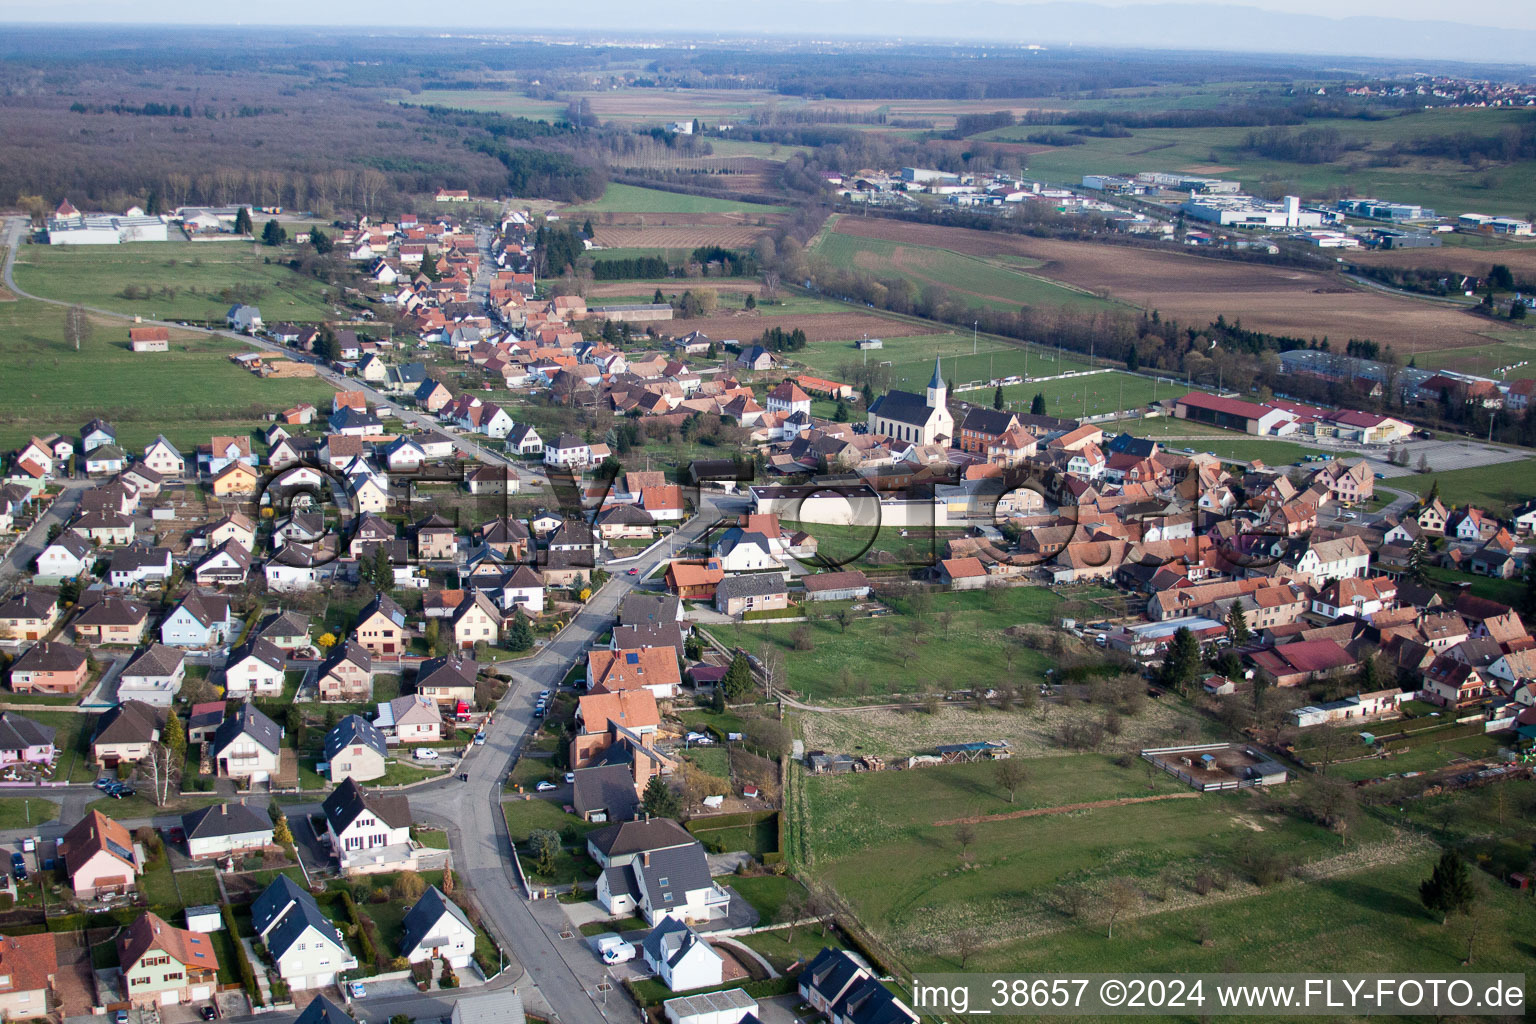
(19, 559)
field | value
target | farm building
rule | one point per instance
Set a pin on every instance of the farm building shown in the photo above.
(984, 750)
(836, 586)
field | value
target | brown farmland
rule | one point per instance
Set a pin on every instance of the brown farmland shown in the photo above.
(1281, 300)
(1459, 259)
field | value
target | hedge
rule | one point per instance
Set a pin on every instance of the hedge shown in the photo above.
(792, 612)
(369, 949)
(243, 962)
(707, 822)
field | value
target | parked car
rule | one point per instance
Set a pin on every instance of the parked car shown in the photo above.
(426, 754)
(120, 1017)
(544, 787)
(356, 989)
(570, 777)
(633, 572)
(544, 695)
(479, 739)
(209, 1013)
(19, 867)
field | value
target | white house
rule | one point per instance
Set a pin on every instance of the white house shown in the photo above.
(368, 831)
(681, 958)
(153, 676)
(523, 588)
(1336, 559)
(436, 929)
(68, 555)
(255, 668)
(568, 450)
(223, 829)
(525, 440)
(657, 870)
(165, 458)
(200, 620)
(247, 745)
(412, 718)
(740, 550)
(136, 566)
(306, 945)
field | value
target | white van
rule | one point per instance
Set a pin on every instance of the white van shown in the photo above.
(612, 949)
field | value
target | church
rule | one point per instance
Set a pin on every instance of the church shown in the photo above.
(915, 418)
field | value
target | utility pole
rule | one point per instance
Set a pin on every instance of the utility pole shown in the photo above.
(974, 325)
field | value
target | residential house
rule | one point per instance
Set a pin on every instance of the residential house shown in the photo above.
(694, 581)
(125, 733)
(229, 564)
(106, 528)
(232, 827)
(437, 929)
(286, 630)
(1302, 661)
(448, 680)
(153, 675)
(29, 615)
(522, 589)
(95, 434)
(656, 870)
(740, 550)
(651, 668)
(28, 966)
(67, 556)
(368, 831)
(1336, 559)
(247, 745)
(355, 750)
(475, 620)
(1452, 683)
(199, 621)
(49, 667)
(525, 440)
(346, 674)
(99, 857)
(737, 595)
(236, 480)
(204, 720)
(436, 539)
(381, 627)
(307, 947)
(624, 522)
(23, 741)
(413, 718)
(681, 958)
(164, 965)
(841, 986)
(234, 527)
(568, 450)
(255, 669)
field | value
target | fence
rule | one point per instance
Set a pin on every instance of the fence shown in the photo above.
(1153, 755)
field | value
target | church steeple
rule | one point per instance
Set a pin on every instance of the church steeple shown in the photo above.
(938, 391)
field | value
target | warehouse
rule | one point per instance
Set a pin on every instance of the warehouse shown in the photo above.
(1232, 414)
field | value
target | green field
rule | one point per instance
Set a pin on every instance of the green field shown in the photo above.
(911, 358)
(1497, 488)
(1027, 884)
(991, 283)
(1509, 347)
(509, 103)
(889, 655)
(1449, 187)
(1095, 395)
(24, 812)
(176, 280)
(632, 199)
(189, 393)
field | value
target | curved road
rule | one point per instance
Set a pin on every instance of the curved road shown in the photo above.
(563, 970)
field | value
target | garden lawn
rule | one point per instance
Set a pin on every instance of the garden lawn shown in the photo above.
(766, 893)
(523, 816)
(886, 655)
(72, 741)
(1510, 592)
(1426, 758)
(24, 812)
(189, 393)
(198, 887)
(856, 546)
(785, 947)
(172, 280)
(141, 806)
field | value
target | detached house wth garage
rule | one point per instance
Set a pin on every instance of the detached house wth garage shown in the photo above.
(307, 947)
(368, 832)
(164, 965)
(655, 869)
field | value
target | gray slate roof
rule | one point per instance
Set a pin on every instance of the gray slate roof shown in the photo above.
(354, 730)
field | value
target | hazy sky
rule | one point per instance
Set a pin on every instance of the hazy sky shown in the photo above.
(498, 15)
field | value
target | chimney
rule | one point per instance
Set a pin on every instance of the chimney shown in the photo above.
(645, 858)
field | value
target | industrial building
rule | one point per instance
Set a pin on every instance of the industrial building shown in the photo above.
(1115, 184)
(105, 229)
(1376, 209)
(1237, 211)
(1481, 222)
(1189, 183)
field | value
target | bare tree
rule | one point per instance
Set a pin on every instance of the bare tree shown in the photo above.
(965, 944)
(1121, 898)
(965, 835)
(1011, 774)
(161, 769)
(77, 326)
(792, 911)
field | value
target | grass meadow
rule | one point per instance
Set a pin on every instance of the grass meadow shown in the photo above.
(188, 393)
(633, 199)
(172, 280)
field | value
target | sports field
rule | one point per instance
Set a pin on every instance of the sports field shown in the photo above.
(189, 393)
(993, 283)
(632, 199)
(172, 280)
(911, 359)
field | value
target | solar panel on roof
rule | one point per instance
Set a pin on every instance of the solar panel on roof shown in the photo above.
(117, 848)
(632, 657)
